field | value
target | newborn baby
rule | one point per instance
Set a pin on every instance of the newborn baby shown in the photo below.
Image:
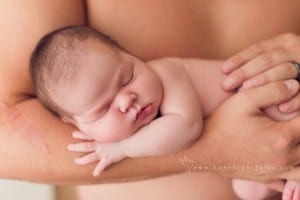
(129, 107)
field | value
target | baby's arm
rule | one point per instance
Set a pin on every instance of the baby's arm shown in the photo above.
(181, 120)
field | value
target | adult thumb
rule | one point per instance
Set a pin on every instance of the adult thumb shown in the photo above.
(272, 93)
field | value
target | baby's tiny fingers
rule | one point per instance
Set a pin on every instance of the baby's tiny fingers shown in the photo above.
(82, 147)
(80, 135)
(87, 159)
(100, 168)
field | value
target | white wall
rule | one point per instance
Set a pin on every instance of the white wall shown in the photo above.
(19, 190)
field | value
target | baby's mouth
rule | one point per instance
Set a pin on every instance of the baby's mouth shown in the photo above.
(144, 112)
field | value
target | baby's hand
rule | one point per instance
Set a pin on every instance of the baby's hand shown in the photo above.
(81, 136)
(291, 191)
(106, 153)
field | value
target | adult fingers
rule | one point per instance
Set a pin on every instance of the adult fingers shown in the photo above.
(83, 147)
(271, 94)
(247, 54)
(283, 71)
(256, 66)
(87, 159)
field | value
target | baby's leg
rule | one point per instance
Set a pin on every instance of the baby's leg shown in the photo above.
(250, 190)
(291, 191)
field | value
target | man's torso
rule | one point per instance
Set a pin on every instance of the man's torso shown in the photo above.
(196, 28)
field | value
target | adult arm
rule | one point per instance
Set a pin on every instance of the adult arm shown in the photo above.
(33, 142)
(275, 145)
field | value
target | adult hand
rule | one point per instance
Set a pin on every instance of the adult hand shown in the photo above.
(247, 142)
(265, 62)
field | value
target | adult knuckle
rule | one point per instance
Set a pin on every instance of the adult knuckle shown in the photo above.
(262, 79)
(236, 59)
(240, 75)
(267, 60)
(288, 36)
(281, 147)
(278, 89)
(290, 39)
(283, 142)
(257, 48)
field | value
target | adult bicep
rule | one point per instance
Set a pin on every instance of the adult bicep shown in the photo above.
(23, 23)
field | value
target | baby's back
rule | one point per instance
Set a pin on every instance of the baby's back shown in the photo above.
(205, 76)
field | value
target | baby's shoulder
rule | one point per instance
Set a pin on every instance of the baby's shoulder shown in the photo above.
(167, 66)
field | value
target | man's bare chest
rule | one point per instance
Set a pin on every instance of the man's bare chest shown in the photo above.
(194, 28)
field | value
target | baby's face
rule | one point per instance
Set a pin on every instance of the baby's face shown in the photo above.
(112, 94)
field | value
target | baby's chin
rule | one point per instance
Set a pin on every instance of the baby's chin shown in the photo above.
(135, 129)
(145, 123)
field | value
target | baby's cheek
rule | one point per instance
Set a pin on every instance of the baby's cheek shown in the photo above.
(118, 132)
(110, 131)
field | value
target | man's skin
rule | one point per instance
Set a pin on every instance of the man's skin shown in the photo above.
(148, 29)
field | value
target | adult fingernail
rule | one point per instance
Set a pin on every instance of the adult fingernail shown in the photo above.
(227, 66)
(250, 83)
(286, 107)
(228, 83)
(291, 84)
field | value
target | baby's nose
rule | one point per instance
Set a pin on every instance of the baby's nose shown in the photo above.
(126, 102)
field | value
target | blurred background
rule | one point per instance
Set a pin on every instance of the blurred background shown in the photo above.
(21, 190)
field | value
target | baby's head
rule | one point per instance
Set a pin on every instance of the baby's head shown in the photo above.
(87, 80)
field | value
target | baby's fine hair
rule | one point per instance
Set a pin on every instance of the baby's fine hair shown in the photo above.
(53, 61)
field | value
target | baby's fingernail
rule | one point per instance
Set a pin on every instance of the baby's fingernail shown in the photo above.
(228, 83)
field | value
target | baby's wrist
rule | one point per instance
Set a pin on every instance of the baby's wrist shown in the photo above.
(125, 148)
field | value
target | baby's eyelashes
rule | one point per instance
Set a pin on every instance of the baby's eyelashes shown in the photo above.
(129, 80)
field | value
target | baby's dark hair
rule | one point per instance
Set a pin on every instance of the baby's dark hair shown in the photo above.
(53, 61)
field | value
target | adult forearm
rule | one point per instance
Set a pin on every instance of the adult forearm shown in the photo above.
(34, 147)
